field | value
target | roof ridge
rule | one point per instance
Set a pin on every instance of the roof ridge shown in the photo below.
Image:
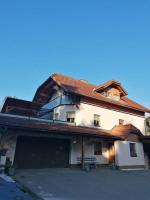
(88, 83)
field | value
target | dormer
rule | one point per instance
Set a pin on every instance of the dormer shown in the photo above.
(111, 89)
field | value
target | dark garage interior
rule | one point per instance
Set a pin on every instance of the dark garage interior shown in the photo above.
(39, 152)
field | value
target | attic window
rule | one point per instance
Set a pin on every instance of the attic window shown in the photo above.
(111, 89)
(116, 97)
(113, 94)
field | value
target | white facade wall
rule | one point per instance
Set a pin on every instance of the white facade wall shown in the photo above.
(75, 151)
(62, 109)
(88, 152)
(84, 116)
(123, 157)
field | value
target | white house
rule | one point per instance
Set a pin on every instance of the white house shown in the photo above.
(70, 122)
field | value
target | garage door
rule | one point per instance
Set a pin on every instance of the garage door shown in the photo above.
(34, 152)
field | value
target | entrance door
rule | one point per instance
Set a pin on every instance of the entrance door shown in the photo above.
(111, 150)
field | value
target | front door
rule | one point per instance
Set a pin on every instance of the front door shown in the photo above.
(111, 151)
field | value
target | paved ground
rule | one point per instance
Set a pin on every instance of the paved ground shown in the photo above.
(10, 191)
(100, 184)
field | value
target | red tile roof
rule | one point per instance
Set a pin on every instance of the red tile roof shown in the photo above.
(119, 132)
(20, 107)
(37, 125)
(86, 89)
(124, 130)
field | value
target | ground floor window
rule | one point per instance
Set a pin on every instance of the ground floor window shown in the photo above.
(133, 152)
(98, 148)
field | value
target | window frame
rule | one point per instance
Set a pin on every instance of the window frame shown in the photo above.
(56, 118)
(116, 97)
(98, 152)
(121, 122)
(70, 119)
(133, 150)
(97, 123)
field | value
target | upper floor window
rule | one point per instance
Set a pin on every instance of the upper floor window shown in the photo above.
(70, 117)
(133, 152)
(98, 148)
(121, 122)
(56, 116)
(96, 120)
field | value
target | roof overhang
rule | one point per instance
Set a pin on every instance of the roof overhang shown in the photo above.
(33, 124)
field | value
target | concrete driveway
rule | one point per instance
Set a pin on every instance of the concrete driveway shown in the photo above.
(11, 191)
(100, 184)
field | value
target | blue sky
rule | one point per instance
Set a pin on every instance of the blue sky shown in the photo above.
(95, 40)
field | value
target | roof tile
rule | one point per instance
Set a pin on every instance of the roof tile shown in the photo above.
(86, 89)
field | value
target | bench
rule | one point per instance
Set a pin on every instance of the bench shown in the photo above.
(89, 162)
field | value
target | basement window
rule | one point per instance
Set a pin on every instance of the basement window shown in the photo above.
(70, 117)
(96, 120)
(98, 149)
(133, 152)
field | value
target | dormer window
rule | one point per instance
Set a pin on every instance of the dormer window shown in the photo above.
(113, 94)
(116, 97)
(111, 89)
(109, 94)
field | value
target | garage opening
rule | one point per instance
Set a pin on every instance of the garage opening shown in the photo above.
(37, 152)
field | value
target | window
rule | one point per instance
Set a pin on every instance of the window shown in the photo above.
(70, 117)
(96, 120)
(98, 149)
(133, 150)
(116, 97)
(56, 116)
(113, 95)
(109, 94)
(121, 122)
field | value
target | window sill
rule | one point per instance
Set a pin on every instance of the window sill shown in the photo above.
(96, 126)
(134, 156)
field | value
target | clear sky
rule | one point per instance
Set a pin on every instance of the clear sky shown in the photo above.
(96, 40)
